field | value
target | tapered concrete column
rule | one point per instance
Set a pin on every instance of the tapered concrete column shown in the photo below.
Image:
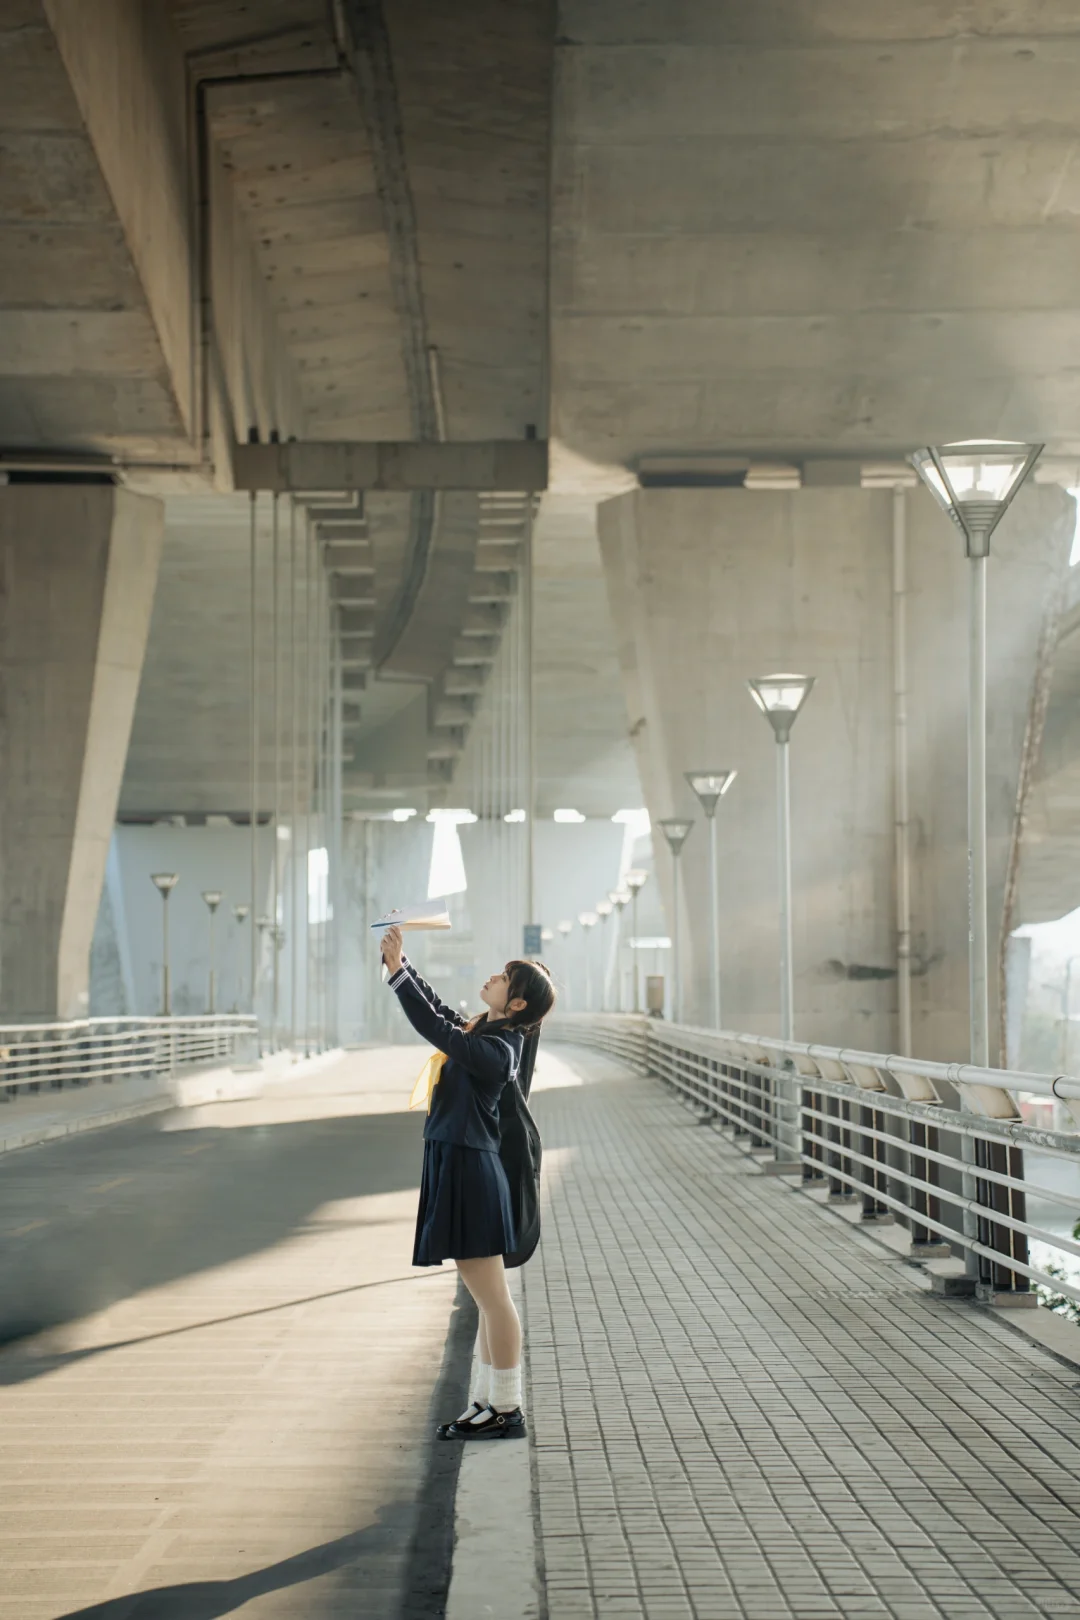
(710, 587)
(78, 567)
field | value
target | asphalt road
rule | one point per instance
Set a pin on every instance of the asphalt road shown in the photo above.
(221, 1372)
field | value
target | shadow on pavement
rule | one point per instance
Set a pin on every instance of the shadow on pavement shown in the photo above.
(100, 1217)
(421, 1530)
(205, 1600)
(17, 1372)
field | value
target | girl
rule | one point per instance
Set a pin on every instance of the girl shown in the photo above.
(465, 1212)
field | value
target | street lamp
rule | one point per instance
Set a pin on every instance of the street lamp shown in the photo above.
(676, 831)
(588, 919)
(241, 914)
(277, 936)
(620, 899)
(213, 898)
(635, 882)
(973, 482)
(565, 929)
(165, 883)
(710, 787)
(262, 924)
(604, 908)
(780, 698)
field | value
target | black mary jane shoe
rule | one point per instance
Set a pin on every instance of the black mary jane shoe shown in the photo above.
(443, 1431)
(492, 1426)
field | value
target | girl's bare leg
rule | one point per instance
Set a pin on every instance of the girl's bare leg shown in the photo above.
(482, 1345)
(486, 1281)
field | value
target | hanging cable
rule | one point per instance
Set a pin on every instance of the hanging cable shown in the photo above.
(324, 841)
(253, 709)
(294, 807)
(275, 837)
(307, 763)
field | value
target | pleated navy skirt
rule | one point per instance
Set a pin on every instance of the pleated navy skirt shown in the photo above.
(465, 1211)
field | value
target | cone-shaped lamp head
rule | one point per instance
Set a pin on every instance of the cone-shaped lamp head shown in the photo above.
(974, 481)
(780, 699)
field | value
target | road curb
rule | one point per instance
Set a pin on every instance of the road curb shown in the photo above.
(495, 1570)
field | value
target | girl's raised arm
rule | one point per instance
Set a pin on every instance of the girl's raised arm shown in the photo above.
(431, 997)
(487, 1058)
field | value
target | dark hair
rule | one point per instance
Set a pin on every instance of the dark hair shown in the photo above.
(529, 982)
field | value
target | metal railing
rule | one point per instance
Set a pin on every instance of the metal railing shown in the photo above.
(89, 1050)
(937, 1147)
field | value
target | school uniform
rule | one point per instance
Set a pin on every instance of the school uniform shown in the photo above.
(465, 1209)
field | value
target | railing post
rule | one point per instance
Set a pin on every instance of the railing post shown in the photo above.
(875, 1179)
(998, 1283)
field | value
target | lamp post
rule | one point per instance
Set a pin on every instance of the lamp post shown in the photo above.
(636, 879)
(620, 899)
(973, 482)
(241, 914)
(261, 925)
(165, 883)
(710, 787)
(277, 937)
(213, 898)
(780, 699)
(604, 908)
(588, 919)
(565, 929)
(676, 831)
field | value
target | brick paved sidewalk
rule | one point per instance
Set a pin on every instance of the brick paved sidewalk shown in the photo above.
(741, 1408)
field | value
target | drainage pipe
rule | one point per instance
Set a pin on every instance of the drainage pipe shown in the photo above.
(900, 770)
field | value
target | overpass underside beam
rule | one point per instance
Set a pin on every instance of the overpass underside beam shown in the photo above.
(494, 465)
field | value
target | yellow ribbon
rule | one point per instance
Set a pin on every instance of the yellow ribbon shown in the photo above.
(427, 1080)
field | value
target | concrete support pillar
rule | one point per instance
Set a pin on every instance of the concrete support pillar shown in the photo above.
(78, 565)
(709, 587)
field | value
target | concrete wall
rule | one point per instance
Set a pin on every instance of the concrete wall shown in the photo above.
(204, 858)
(710, 587)
(78, 567)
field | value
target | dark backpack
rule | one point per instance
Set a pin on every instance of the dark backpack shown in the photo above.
(520, 1150)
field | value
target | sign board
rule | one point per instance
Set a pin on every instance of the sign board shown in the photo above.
(533, 940)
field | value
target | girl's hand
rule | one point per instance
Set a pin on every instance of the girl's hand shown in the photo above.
(391, 950)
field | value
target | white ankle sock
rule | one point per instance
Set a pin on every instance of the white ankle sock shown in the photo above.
(481, 1384)
(479, 1390)
(505, 1393)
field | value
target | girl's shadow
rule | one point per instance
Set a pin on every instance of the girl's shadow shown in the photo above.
(206, 1600)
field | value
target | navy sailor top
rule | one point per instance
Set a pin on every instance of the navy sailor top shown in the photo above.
(479, 1063)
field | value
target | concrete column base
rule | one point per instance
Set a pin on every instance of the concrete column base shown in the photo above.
(780, 1167)
(950, 1279)
(1004, 1298)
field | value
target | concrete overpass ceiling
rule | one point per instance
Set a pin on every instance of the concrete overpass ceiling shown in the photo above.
(81, 364)
(302, 166)
(792, 228)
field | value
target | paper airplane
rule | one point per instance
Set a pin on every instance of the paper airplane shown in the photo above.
(432, 915)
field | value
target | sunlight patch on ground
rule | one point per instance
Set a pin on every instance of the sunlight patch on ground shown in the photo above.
(375, 1081)
(553, 1072)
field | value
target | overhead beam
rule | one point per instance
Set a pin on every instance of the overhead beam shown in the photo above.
(308, 466)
